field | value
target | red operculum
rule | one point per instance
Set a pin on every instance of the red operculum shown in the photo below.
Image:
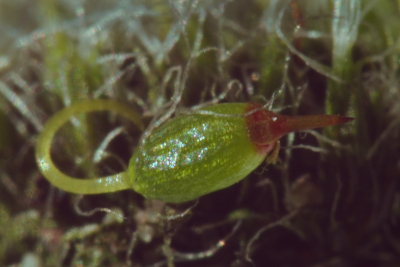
(259, 129)
(265, 127)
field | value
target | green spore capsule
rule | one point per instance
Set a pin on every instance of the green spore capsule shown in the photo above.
(188, 156)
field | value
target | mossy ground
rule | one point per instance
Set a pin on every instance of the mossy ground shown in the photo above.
(331, 200)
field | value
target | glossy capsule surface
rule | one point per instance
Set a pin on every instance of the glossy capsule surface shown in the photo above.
(193, 155)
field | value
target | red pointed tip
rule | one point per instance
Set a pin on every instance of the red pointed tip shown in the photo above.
(286, 124)
(329, 120)
(265, 127)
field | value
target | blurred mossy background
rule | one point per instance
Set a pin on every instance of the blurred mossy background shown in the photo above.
(332, 199)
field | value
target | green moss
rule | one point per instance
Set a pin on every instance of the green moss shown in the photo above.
(65, 50)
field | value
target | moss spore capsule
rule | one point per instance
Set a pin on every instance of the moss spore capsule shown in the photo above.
(193, 155)
(187, 157)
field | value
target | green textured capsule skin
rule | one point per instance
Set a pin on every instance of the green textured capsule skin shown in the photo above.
(193, 155)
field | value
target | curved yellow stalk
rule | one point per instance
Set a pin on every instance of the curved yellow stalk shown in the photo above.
(106, 184)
